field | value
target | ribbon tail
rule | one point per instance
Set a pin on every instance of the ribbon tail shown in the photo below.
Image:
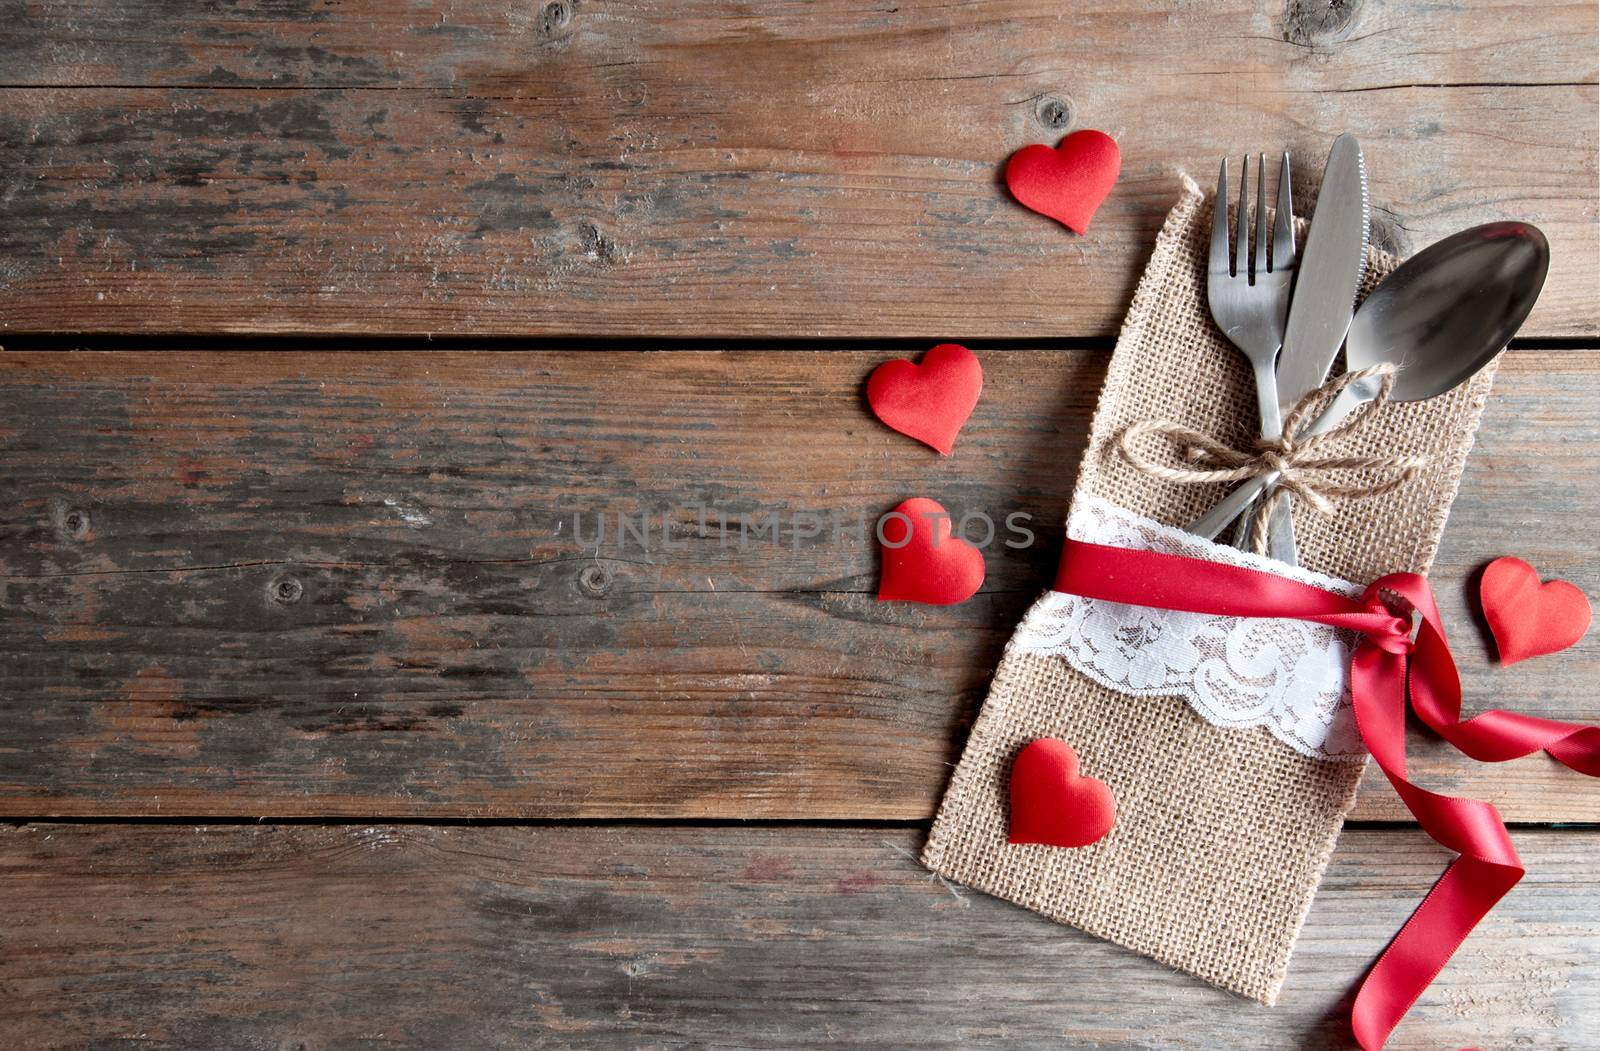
(1496, 736)
(1466, 893)
(1487, 868)
(1580, 751)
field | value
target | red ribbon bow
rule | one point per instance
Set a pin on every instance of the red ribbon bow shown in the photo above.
(1389, 663)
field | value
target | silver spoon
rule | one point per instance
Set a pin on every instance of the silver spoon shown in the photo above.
(1439, 317)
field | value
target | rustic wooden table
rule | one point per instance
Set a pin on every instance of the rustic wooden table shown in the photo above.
(319, 727)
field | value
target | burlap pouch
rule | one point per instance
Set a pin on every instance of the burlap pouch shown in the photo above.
(1222, 834)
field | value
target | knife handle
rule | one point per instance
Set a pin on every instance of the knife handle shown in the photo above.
(1280, 530)
(1280, 526)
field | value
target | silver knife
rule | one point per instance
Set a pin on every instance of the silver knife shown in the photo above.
(1330, 272)
(1324, 298)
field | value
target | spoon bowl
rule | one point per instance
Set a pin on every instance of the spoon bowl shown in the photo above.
(1447, 311)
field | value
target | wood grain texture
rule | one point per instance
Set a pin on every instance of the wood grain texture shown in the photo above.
(315, 584)
(702, 167)
(646, 937)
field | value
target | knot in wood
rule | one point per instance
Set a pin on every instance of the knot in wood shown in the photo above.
(285, 591)
(599, 248)
(75, 524)
(554, 18)
(1387, 233)
(1319, 23)
(595, 581)
(1053, 112)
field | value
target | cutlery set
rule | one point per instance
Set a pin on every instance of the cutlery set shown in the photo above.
(1438, 319)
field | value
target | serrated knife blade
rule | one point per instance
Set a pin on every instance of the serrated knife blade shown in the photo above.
(1331, 266)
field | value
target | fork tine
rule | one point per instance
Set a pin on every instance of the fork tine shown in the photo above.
(1219, 224)
(1283, 235)
(1241, 249)
(1259, 264)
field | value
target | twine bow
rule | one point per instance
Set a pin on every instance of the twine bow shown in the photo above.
(1294, 456)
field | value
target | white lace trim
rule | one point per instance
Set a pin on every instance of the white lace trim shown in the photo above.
(1289, 676)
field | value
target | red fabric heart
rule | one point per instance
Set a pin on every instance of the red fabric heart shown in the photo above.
(1051, 804)
(930, 400)
(1069, 182)
(923, 561)
(1528, 618)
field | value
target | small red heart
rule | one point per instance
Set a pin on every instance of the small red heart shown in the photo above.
(923, 561)
(1069, 182)
(930, 400)
(1051, 804)
(1528, 618)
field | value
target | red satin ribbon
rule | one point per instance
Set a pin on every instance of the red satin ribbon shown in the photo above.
(1385, 663)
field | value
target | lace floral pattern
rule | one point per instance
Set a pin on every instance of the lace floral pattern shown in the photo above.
(1289, 676)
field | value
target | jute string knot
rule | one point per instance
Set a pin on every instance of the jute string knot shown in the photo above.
(1297, 457)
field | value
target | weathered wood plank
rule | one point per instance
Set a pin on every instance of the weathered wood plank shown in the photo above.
(675, 937)
(289, 584)
(701, 167)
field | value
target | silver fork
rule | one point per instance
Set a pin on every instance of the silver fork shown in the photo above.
(1249, 300)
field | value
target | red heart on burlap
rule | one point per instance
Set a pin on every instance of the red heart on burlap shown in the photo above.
(923, 560)
(1069, 182)
(1528, 618)
(930, 400)
(1051, 803)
